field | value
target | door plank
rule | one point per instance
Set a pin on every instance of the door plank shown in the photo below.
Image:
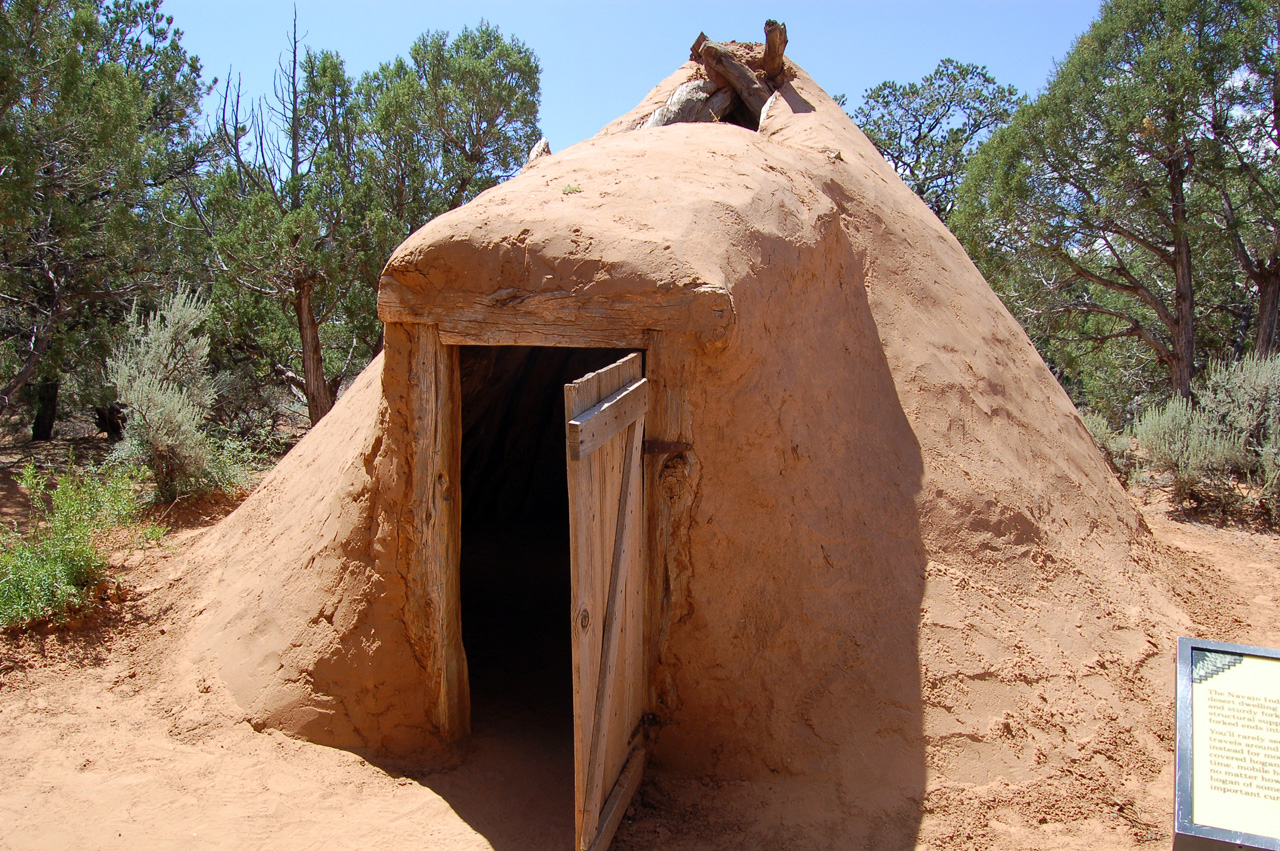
(608, 671)
(605, 490)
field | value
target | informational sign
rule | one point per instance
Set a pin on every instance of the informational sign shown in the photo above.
(1228, 769)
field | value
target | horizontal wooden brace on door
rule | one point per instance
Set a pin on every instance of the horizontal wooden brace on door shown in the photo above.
(592, 429)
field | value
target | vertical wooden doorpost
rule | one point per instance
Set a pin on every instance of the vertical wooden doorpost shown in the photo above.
(422, 383)
(605, 430)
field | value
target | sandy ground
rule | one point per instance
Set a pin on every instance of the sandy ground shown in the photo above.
(109, 739)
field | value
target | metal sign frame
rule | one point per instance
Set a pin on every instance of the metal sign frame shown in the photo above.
(1189, 836)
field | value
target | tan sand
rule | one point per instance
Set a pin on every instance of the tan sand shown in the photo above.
(92, 757)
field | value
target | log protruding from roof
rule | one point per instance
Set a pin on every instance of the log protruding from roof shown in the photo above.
(740, 79)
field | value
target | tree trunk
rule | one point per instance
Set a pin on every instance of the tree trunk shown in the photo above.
(28, 369)
(1184, 337)
(1264, 339)
(110, 419)
(46, 409)
(319, 399)
(1182, 367)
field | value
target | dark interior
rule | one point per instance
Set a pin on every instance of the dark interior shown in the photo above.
(515, 548)
(515, 519)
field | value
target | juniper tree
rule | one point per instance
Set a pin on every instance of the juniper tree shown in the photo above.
(322, 181)
(928, 130)
(97, 108)
(1098, 203)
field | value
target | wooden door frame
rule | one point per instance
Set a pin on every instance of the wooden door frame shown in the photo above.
(422, 386)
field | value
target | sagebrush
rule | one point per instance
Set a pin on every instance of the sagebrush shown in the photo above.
(163, 376)
(1117, 447)
(1221, 452)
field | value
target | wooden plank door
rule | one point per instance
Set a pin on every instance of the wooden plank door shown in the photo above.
(605, 428)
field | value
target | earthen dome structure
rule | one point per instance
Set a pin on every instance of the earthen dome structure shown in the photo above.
(856, 546)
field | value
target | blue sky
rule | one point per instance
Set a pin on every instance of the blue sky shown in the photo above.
(600, 58)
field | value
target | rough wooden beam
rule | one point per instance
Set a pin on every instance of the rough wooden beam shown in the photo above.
(718, 59)
(696, 100)
(557, 317)
(695, 52)
(670, 485)
(775, 44)
(695, 55)
(685, 103)
(424, 442)
(718, 105)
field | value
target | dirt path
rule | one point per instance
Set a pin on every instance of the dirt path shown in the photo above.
(1249, 560)
(109, 739)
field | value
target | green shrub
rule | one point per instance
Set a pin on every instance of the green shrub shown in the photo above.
(1243, 401)
(251, 410)
(164, 378)
(1116, 446)
(231, 461)
(1185, 442)
(1270, 479)
(1223, 453)
(59, 561)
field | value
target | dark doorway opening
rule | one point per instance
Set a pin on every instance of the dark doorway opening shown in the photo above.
(516, 588)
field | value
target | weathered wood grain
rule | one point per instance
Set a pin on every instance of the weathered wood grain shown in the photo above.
(591, 429)
(685, 104)
(775, 44)
(541, 149)
(557, 317)
(429, 448)
(607, 539)
(616, 807)
(614, 675)
(671, 478)
(693, 102)
(718, 59)
(719, 105)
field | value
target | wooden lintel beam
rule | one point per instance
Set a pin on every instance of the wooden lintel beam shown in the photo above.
(557, 317)
(481, 333)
